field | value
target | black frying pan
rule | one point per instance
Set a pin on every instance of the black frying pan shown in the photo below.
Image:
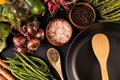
(81, 63)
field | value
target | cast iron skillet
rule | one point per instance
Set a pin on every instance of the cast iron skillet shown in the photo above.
(81, 63)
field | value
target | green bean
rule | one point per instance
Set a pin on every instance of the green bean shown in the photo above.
(20, 57)
(16, 75)
(15, 65)
(18, 69)
(26, 67)
(19, 76)
(30, 61)
(27, 76)
(42, 68)
(44, 74)
(31, 72)
(15, 62)
(41, 62)
(21, 73)
(38, 60)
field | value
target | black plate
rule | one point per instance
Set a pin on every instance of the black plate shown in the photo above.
(81, 63)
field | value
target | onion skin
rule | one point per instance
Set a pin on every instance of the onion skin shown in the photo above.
(33, 44)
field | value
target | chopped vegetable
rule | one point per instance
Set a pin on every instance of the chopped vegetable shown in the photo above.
(26, 67)
(4, 32)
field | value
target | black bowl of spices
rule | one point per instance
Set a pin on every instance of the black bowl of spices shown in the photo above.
(82, 15)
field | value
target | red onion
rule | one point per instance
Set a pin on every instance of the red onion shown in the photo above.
(31, 28)
(40, 34)
(22, 49)
(33, 44)
(19, 40)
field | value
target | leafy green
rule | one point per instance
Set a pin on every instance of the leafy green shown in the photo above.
(4, 32)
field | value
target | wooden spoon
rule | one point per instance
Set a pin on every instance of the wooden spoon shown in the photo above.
(54, 58)
(100, 45)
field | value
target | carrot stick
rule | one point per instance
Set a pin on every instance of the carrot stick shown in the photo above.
(6, 74)
(4, 65)
(2, 77)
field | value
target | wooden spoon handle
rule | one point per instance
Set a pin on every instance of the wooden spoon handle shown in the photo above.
(104, 72)
(60, 73)
(59, 70)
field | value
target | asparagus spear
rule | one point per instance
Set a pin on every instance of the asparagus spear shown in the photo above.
(114, 6)
(112, 17)
(109, 20)
(106, 4)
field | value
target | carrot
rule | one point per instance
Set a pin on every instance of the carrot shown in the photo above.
(4, 65)
(2, 77)
(6, 74)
